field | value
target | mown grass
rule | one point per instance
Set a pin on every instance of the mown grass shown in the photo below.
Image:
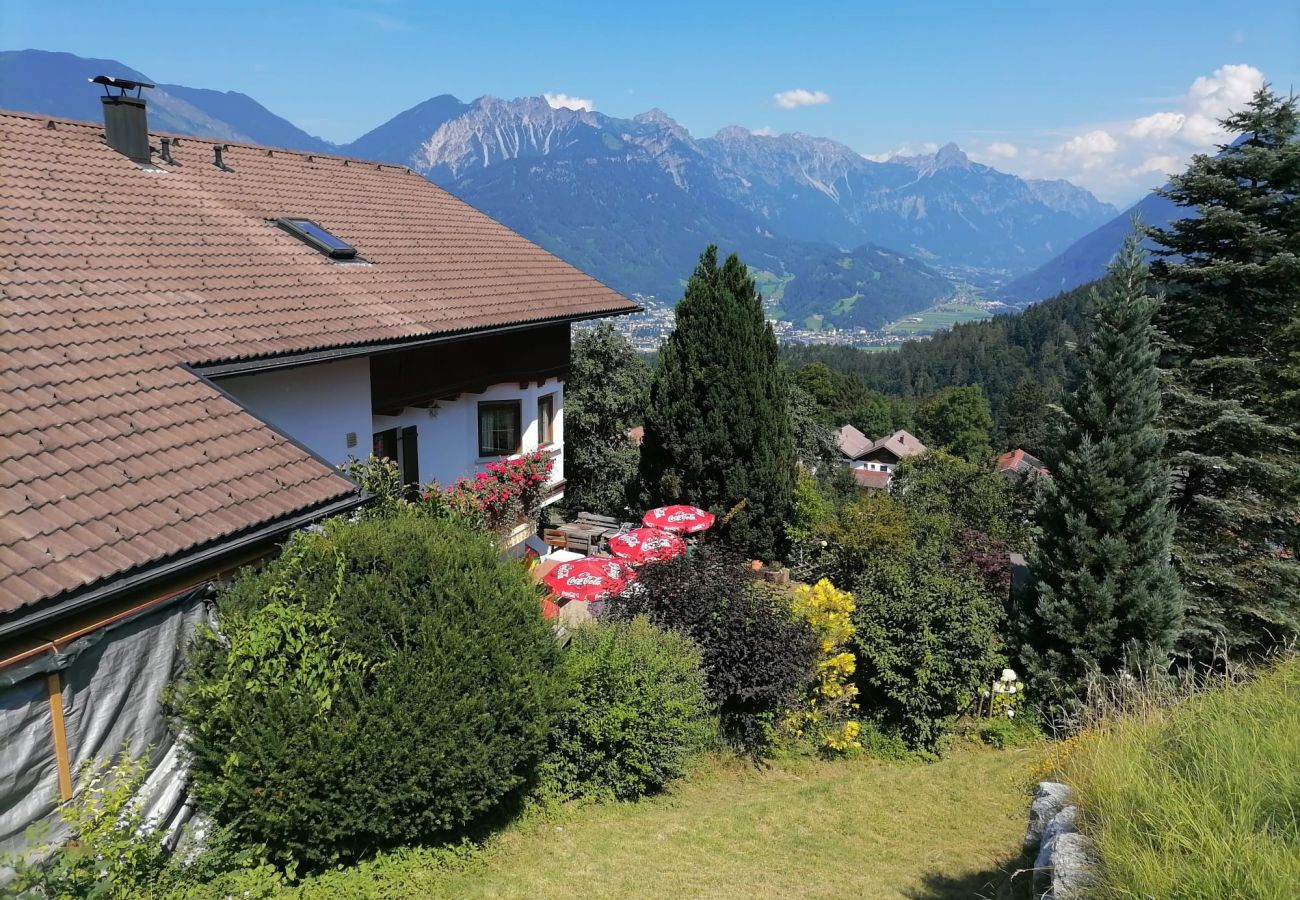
(937, 318)
(1201, 799)
(807, 829)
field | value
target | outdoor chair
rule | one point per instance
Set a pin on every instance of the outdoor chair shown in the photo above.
(554, 537)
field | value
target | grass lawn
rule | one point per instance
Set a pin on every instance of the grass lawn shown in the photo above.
(799, 829)
(937, 318)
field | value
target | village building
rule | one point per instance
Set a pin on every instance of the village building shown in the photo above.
(1018, 465)
(873, 462)
(195, 335)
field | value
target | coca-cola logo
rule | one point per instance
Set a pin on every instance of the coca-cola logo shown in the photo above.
(585, 580)
(682, 517)
(656, 544)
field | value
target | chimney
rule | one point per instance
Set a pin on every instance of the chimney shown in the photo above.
(126, 125)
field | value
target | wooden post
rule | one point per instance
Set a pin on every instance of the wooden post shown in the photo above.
(55, 685)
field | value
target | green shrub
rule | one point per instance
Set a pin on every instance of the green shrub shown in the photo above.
(384, 682)
(113, 854)
(1196, 800)
(636, 715)
(758, 657)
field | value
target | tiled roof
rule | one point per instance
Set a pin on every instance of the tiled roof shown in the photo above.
(114, 279)
(901, 443)
(853, 443)
(1020, 462)
(868, 479)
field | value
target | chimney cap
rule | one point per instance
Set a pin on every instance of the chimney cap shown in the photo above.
(122, 84)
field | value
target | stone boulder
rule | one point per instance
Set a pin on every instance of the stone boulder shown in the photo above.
(1064, 822)
(1074, 866)
(1050, 797)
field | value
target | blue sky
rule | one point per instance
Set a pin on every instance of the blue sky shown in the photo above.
(1042, 88)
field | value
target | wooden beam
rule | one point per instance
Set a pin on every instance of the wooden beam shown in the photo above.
(54, 683)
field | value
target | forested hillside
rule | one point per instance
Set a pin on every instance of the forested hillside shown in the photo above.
(997, 354)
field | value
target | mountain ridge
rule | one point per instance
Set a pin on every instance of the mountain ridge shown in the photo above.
(633, 201)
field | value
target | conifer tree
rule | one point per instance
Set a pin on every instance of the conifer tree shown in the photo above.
(1105, 590)
(1230, 339)
(717, 429)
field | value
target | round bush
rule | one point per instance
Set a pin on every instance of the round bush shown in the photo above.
(758, 658)
(636, 715)
(383, 682)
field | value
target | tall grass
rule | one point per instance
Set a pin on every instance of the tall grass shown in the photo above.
(1200, 798)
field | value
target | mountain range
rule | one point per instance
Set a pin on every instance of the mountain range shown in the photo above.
(850, 241)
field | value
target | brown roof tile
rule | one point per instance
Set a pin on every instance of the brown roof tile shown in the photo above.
(114, 278)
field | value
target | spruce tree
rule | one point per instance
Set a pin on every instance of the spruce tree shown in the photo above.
(1105, 590)
(717, 429)
(1231, 271)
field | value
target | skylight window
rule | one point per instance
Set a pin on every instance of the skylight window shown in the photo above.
(314, 235)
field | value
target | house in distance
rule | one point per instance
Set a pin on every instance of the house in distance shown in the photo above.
(195, 335)
(873, 462)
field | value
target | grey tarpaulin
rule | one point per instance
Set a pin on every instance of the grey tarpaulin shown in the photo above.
(113, 680)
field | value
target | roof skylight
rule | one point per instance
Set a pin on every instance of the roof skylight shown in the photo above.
(322, 239)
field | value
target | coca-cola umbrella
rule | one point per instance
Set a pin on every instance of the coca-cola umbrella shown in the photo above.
(589, 579)
(681, 519)
(641, 545)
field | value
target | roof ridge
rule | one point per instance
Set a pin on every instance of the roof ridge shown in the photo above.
(214, 141)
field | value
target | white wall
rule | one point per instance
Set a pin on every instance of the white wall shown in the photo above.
(448, 436)
(315, 405)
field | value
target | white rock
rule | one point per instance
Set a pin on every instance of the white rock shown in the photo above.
(1050, 797)
(1064, 822)
(1074, 865)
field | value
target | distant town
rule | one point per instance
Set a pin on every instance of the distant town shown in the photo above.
(646, 330)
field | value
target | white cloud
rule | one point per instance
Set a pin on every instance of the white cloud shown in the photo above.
(1159, 165)
(1157, 125)
(1002, 150)
(1121, 160)
(765, 131)
(564, 101)
(796, 97)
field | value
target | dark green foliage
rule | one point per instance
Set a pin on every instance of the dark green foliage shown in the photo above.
(926, 626)
(717, 428)
(815, 442)
(997, 354)
(1106, 591)
(758, 659)
(1230, 340)
(604, 397)
(636, 712)
(958, 420)
(1027, 421)
(962, 494)
(385, 682)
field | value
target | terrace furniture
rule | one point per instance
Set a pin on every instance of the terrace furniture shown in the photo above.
(555, 537)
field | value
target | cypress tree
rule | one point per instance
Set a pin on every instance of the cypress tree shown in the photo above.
(1230, 340)
(1105, 592)
(717, 429)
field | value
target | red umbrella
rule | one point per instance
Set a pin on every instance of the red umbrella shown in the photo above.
(589, 578)
(646, 545)
(682, 519)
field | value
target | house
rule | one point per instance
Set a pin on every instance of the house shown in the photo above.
(1017, 465)
(873, 462)
(195, 334)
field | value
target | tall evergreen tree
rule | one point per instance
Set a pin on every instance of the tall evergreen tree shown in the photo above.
(603, 399)
(717, 429)
(1105, 589)
(1230, 341)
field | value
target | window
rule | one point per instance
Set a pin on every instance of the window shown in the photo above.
(498, 428)
(314, 235)
(546, 420)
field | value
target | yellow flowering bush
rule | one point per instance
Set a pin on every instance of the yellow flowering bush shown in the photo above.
(826, 716)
